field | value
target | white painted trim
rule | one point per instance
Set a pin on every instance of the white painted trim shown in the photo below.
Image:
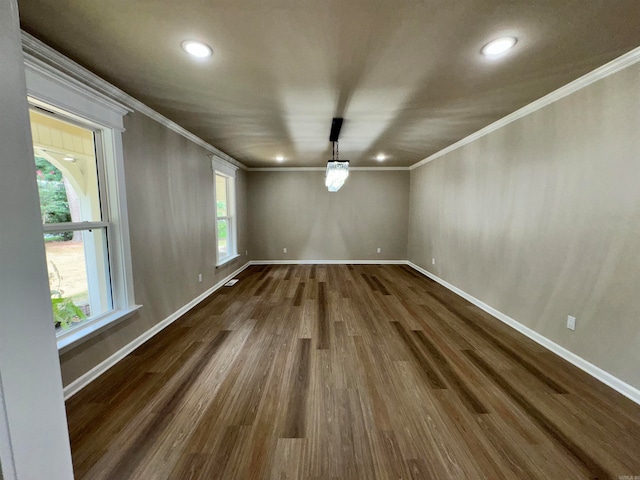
(121, 261)
(322, 169)
(73, 226)
(40, 54)
(231, 217)
(81, 382)
(620, 63)
(57, 92)
(222, 166)
(328, 262)
(79, 105)
(618, 385)
(227, 260)
(72, 338)
(67, 81)
(57, 96)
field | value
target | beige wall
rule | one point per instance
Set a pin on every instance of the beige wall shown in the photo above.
(170, 202)
(295, 210)
(541, 219)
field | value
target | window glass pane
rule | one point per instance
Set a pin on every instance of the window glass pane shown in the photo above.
(78, 276)
(222, 209)
(66, 170)
(223, 238)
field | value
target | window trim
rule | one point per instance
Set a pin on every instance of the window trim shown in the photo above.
(59, 93)
(225, 169)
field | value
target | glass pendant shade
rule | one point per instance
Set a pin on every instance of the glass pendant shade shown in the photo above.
(337, 173)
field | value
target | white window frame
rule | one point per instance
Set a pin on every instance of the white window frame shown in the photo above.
(227, 170)
(99, 283)
(57, 92)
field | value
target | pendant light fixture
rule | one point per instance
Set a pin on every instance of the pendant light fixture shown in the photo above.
(337, 170)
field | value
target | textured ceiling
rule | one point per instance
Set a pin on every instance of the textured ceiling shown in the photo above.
(407, 76)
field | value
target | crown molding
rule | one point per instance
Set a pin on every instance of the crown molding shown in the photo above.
(322, 169)
(614, 66)
(45, 59)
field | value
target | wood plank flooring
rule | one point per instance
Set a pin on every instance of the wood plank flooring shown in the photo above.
(347, 372)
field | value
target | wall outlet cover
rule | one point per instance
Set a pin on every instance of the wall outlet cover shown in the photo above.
(284, 250)
(571, 322)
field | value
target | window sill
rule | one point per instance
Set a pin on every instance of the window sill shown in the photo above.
(75, 337)
(227, 260)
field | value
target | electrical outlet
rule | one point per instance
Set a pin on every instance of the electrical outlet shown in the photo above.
(379, 249)
(246, 252)
(199, 278)
(284, 250)
(433, 261)
(571, 322)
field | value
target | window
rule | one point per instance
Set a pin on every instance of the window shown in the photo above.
(77, 143)
(223, 217)
(224, 195)
(75, 218)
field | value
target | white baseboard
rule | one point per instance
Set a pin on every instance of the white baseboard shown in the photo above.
(328, 262)
(81, 382)
(618, 385)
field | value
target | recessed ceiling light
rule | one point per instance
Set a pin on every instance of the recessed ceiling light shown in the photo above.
(197, 49)
(381, 157)
(499, 46)
(69, 159)
(280, 158)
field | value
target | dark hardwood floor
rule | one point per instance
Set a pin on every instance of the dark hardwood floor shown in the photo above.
(347, 372)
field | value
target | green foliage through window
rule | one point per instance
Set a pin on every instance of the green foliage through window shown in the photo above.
(222, 230)
(54, 204)
(65, 312)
